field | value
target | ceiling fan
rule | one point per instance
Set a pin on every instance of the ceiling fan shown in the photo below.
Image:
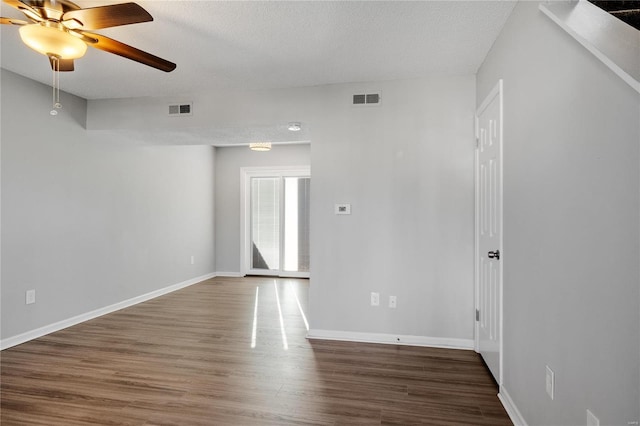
(57, 29)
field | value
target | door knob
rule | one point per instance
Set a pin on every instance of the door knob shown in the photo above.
(494, 254)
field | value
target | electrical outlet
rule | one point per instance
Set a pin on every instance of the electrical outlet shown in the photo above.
(592, 420)
(30, 297)
(550, 382)
(193, 260)
(392, 302)
(375, 299)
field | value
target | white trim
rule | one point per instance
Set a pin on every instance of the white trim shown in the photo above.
(604, 21)
(229, 274)
(510, 407)
(223, 144)
(476, 239)
(498, 90)
(276, 171)
(293, 274)
(246, 173)
(56, 326)
(391, 339)
(502, 257)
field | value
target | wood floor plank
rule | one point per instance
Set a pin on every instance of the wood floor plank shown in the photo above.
(190, 358)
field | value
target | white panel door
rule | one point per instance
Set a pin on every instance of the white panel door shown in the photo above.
(489, 232)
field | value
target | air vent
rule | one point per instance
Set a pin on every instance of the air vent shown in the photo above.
(373, 98)
(359, 99)
(181, 109)
(366, 99)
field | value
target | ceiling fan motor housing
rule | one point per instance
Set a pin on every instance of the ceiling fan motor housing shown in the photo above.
(59, 31)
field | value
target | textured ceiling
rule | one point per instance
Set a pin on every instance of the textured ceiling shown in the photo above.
(275, 44)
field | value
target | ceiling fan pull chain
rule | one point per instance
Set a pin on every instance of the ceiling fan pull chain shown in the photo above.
(57, 103)
(53, 83)
(55, 61)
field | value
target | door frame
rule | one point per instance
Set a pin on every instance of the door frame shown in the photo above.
(497, 91)
(246, 173)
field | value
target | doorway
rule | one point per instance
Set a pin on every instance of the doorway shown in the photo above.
(489, 253)
(275, 237)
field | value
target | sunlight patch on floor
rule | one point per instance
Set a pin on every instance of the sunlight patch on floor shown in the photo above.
(255, 320)
(285, 345)
(304, 317)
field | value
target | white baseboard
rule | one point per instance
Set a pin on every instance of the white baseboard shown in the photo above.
(229, 274)
(47, 329)
(391, 339)
(510, 407)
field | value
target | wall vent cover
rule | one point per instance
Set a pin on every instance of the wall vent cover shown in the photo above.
(359, 99)
(366, 99)
(181, 109)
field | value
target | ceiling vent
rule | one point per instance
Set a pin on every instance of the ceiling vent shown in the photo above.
(181, 109)
(366, 99)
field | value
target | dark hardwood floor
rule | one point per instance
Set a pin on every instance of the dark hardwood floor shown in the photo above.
(190, 358)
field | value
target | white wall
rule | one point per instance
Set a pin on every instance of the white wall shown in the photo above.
(87, 222)
(229, 160)
(406, 167)
(219, 118)
(571, 234)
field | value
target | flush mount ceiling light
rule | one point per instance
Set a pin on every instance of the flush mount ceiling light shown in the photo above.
(294, 127)
(260, 146)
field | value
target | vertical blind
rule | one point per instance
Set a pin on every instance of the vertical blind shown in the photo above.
(267, 210)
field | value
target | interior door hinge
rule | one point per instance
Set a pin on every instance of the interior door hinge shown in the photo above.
(477, 314)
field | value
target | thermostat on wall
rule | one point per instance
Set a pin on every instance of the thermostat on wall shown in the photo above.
(343, 209)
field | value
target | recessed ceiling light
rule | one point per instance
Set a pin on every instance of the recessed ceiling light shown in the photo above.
(294, 127)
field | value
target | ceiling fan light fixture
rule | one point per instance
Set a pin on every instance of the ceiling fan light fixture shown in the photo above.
(260, 146)
(52, 41)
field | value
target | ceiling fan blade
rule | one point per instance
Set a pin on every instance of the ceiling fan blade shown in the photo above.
(44, 7)
(112, 46)
(30, 12)
(15, 3)
(61, 5)
(11, 21)
(50, 9)
(63, 64)
(95, 18)
(33, 3)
